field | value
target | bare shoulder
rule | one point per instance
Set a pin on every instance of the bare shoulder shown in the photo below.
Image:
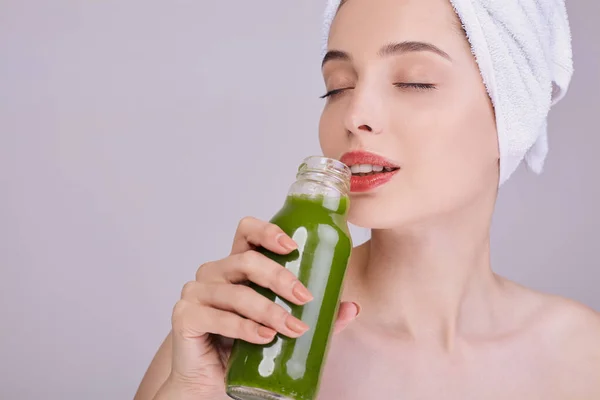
(569, 333)
(558, 316)
(571, 323)
(574, 346)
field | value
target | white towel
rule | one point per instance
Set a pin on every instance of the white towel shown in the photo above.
(523, 49)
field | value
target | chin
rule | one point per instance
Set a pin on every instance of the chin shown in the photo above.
(374, 212)
(390, 210)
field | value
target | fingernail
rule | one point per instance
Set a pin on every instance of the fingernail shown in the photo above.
(265, 332)
(296, 325)
(301, 292)
(357, 308)
(286, 242)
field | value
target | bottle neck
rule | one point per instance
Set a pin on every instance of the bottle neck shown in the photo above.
(324, 182)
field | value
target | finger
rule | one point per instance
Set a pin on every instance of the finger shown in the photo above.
(192, 320)
(247, 303)
(255, 267)
(253, 232)
(347, 313)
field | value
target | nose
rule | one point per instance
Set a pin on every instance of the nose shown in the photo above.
(364, 114)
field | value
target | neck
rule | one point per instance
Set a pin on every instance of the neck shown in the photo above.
(428, 282)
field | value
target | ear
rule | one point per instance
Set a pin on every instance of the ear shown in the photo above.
(347, 313)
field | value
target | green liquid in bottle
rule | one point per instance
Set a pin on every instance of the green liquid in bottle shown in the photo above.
(290, 368)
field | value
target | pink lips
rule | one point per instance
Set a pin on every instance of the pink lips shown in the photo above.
(365, 183)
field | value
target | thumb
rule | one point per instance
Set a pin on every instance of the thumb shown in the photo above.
(347, 313)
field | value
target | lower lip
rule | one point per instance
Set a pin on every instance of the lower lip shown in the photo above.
(366, 183)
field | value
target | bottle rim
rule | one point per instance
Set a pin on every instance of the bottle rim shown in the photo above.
(327, 166)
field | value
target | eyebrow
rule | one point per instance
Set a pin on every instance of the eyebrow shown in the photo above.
(390, 49)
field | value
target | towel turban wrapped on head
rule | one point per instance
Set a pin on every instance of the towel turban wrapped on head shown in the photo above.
(523, 50)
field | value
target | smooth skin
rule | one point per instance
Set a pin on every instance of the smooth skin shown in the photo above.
(435, 321)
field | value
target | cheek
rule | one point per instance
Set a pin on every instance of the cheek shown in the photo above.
(452, 145)
(331, 137)
(472, 138)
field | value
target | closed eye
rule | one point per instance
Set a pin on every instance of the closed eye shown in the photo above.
(334, 92)
(402, 85)
(417, 86)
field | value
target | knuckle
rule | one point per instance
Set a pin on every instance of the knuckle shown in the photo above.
(231, 327)
(245, 223)
(272, 230)
(178, 316)
(242, 293)
(188, 290)
(203, 269)
(209, 292)
(246, 327)
(276, 313)
(249, 258)
(185, 318)
(284, 277)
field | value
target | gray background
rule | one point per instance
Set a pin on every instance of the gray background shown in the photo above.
(135, 134)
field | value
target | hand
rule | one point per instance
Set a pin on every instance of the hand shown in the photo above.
(217, 308)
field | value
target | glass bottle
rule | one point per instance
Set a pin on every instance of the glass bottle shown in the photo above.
(314, 215)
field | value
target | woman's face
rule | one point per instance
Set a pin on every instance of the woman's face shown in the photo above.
(405, 86)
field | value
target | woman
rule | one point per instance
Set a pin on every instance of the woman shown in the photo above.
(435, 321)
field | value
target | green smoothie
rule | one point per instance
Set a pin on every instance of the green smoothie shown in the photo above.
(291, 368)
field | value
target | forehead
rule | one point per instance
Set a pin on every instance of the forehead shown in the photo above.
(377, 22)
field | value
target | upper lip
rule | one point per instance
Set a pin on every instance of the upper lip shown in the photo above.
(364, 157)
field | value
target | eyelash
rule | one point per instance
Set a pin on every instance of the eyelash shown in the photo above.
(417, 86)
(401, 85)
